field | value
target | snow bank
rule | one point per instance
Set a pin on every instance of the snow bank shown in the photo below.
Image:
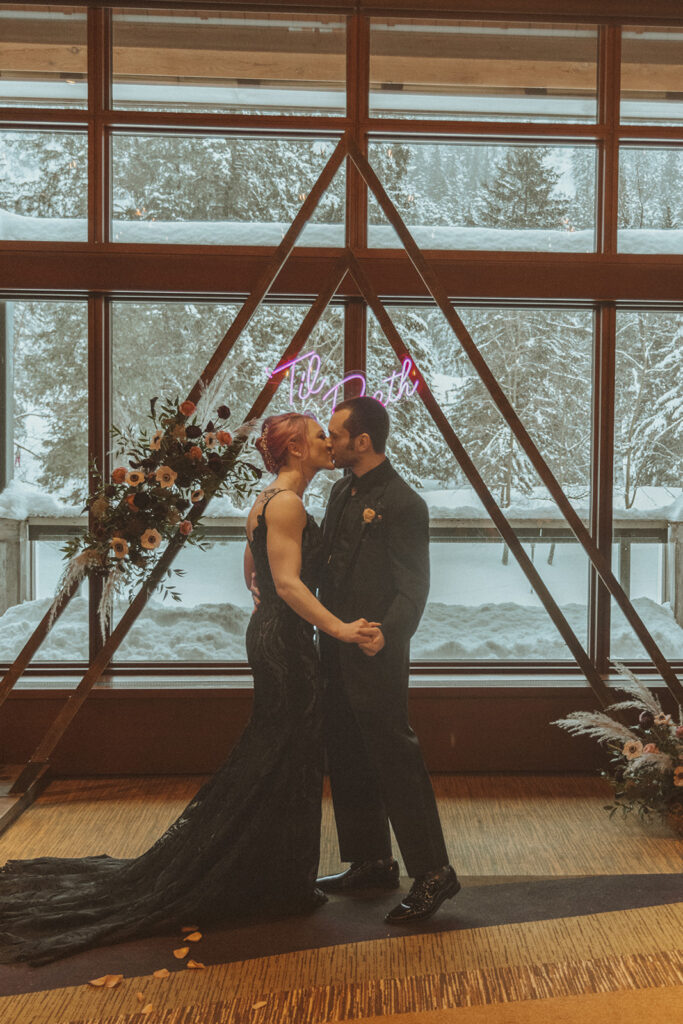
(631, 240)
(20, 500)
(215, 632)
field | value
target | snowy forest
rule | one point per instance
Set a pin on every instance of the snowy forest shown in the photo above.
(541, 357)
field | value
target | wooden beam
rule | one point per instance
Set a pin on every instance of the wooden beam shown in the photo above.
(49, 269)
(149, 64)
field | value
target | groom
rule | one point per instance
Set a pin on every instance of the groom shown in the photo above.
(376, 565)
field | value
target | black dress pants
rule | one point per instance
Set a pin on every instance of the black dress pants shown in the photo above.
(377, 772)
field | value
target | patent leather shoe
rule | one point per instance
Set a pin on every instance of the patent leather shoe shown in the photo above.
(363, 874)
(425, 897)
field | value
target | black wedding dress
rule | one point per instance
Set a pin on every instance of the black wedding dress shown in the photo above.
(248, 842)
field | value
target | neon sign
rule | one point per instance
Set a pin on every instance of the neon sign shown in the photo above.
(306, 380)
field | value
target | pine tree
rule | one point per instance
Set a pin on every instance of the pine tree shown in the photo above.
(521, 192)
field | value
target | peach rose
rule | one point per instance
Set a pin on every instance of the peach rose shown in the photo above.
(185, 527)
(224, 437)
(195, 453)
(135, 478)
(165, 476)
(120, 546)
(650, 748)
(119, 475)
(150, 539)
(368, 515)
(187, 408)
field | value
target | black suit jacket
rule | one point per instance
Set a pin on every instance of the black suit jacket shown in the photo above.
(386, 578)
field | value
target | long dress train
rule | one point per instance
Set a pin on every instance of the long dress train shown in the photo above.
(247, 843)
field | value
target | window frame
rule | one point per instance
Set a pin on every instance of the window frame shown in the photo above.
(603, 280)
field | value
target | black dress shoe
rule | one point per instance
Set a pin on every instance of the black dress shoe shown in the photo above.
(425, 897)
(363, 874)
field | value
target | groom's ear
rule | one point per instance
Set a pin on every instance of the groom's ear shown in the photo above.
(364, 443)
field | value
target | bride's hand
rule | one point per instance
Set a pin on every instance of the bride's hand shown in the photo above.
(357, 632)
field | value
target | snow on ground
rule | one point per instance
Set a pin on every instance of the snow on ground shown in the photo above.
(215, 632)
(20, 500)
(631, 240)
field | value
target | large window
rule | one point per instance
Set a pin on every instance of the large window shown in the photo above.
(151, 161)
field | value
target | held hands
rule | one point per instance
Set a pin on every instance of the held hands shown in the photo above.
(374, 642)
(358, 632)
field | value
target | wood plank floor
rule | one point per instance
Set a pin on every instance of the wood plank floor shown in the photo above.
(496, 826)
(581, 969)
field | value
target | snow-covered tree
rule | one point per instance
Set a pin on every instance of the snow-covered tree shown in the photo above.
(521, 191)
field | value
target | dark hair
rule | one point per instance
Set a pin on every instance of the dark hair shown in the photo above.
(367, 416)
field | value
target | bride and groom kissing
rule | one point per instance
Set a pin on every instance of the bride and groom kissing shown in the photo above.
(248, 843)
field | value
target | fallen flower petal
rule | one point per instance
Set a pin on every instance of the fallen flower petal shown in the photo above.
(257, 1006)
(139, 996)
(193, 937)
(98, 982)
(195, 964)
(112, 980)
(181, 952)
(147, 1009)
(190, 928)
(162, 973)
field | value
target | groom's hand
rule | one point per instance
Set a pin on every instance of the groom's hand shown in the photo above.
(255, 592)
(375, 643)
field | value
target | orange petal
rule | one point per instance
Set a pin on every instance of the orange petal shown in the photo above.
(112, 980)
(195, 964)
(147, 1009)
(257, 1006)
(139, 996)
(98, 982)
(162, 973)
(193, 937)
(181, 952)
(190, 928)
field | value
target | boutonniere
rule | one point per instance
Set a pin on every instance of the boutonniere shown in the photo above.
(371, 515)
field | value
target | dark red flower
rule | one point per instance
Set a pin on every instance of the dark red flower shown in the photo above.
(194, 430)
(224, 412)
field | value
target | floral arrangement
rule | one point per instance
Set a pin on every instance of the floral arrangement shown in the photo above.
(646, 763)
(172, 473)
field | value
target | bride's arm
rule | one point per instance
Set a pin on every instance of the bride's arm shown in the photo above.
(286, 519)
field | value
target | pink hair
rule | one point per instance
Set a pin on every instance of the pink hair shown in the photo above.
(276, 434)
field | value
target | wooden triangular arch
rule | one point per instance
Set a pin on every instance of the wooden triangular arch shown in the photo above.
(38, 764)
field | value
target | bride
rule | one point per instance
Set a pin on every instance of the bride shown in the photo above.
(248, 842)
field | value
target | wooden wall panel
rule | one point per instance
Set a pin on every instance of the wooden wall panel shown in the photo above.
(185, 731)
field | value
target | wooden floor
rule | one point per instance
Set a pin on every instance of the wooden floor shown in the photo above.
(495, 825)
(624, 966)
